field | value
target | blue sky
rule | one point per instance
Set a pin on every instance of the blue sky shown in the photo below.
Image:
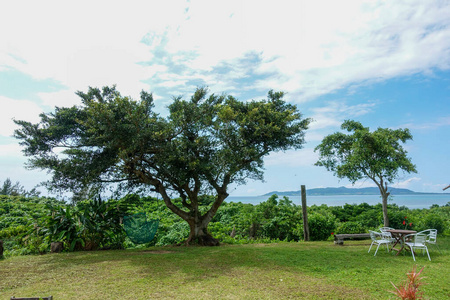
(383, 63)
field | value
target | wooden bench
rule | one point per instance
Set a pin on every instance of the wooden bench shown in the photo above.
(33, 298)
(339, 238)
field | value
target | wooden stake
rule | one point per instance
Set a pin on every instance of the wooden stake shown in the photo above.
(305, 215)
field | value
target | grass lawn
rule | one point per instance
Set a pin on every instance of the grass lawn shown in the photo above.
(305, 270)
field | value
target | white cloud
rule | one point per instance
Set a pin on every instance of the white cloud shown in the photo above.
(16, 109)
(244, 48)
(410, 183)
(8, 151)
(304, 47)
(335, 112)
(293, 158)
(440, 122)
(407, 183)
(324, 121)
(313, 136)
(61, 98)
(313, 50)
(437, 188)
(85, 43)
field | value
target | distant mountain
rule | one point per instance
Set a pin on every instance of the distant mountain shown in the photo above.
(343, 191)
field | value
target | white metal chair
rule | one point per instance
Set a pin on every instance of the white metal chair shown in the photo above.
(416, 241)
(431, 237)
(379, 239)
(385, 234)
(383, 229)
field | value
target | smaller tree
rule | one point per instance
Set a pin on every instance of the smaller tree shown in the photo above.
(376, 155)
(10, 189)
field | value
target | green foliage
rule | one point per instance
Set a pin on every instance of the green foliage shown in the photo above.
(88, 225)
(321, 225)
(401, 219)
(243, 219)
(20, 223)
(280, 219)
(34, 223)
(101, 222)
(363, 213)
(435, 222)
(176, 234)
(435, 218)
(13, 231)
(62, 225)
(351, 227)
(21, 210)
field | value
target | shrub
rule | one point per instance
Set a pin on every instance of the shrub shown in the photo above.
(432, 221)
(321, 225)
(177, 233)
(13, 231)
(396, 219)
(350, 227)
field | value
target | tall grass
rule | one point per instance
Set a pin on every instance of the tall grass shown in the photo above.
(304, 270)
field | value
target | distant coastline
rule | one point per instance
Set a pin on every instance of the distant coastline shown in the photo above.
(331, 191)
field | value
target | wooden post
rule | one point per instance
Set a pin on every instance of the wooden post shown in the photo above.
(1, 249)
(56, 247)
(305, 215)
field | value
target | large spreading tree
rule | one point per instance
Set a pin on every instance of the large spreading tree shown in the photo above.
(361, 154)
(201, 147)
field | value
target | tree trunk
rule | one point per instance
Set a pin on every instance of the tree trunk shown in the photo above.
(199, 234)
(382, 186)
(198, 224)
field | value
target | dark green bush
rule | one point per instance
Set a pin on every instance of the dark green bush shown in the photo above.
(177, 233)
(350, 227)
(431, 221)
(279, 219)
(321, 225)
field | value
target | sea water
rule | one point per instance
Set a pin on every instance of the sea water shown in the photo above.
(411, 201)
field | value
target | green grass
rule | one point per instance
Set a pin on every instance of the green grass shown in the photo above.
(305, 270)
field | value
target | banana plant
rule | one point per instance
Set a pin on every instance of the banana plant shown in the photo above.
(63, 225)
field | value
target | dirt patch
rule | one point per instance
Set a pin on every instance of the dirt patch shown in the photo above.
(157, 251)
(261, 245)
(354, 245)
(150, 252)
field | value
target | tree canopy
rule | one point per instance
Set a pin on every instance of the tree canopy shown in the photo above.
(204, 144)
(376, 155)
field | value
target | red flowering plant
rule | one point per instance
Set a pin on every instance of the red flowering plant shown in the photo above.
(410, 288)
(406, 224)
